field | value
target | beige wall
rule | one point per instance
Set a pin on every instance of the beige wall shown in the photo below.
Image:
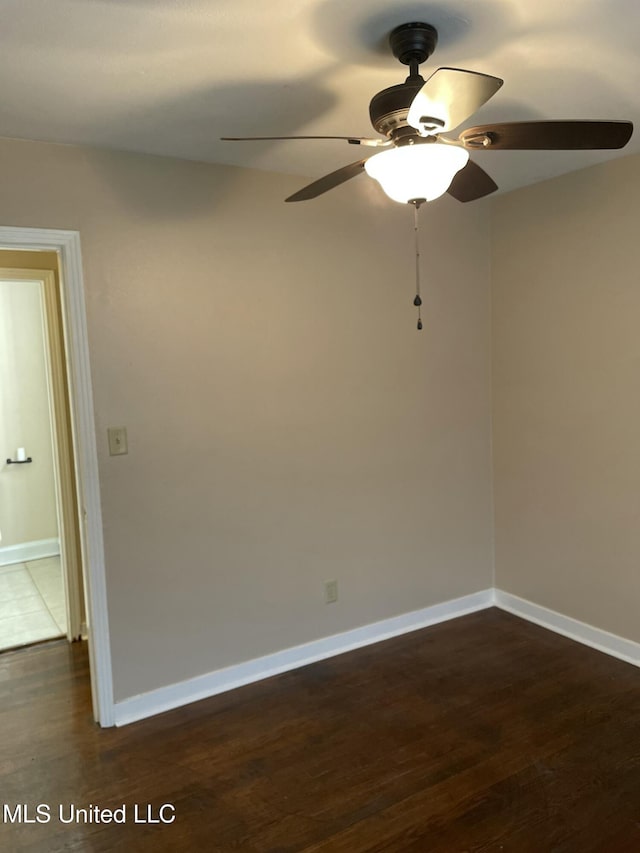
(27, 492)
(287, 423)
(566, 360)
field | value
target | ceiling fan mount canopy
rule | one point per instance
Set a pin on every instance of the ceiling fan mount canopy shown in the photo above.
(413, 43)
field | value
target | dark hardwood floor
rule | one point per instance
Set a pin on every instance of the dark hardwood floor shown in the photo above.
(484, 733)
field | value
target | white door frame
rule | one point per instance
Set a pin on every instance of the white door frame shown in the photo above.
(67, 245)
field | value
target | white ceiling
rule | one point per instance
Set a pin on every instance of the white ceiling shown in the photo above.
(172, 76)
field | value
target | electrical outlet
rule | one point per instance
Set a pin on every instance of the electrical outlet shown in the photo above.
(330, 592)
(117, 441)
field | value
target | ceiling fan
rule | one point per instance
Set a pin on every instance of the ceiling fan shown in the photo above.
(418, 162)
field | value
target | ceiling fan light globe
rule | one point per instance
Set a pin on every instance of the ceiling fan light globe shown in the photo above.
(423, 171)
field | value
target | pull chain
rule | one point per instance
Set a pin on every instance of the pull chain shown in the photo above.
(418, 299)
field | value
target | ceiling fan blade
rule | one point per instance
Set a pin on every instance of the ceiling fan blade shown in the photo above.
(328, 182)
(548, 135)
(352, 140)
(471, 183)
(449, 97)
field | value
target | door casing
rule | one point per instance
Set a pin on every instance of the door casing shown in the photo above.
(76, 351)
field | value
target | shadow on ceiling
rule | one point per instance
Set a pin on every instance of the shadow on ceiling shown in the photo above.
(240, 109)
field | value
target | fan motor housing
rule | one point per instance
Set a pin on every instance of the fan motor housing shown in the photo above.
(388, 109)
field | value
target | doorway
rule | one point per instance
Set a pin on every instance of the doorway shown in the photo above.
(41, 590)
(72, 325)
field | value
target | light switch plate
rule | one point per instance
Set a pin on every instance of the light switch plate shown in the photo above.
(117, 441)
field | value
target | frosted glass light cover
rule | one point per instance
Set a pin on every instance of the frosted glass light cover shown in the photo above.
(417, 171)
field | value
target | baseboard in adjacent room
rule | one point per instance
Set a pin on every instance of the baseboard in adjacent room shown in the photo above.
(203, 686)
(603, 641)
(27, 551)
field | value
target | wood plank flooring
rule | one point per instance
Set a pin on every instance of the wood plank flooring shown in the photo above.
(484, 733)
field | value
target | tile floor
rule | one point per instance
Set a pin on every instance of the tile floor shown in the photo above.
(32, 606)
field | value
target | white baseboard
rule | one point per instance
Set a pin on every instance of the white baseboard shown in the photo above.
(603, 641)
(203, 686)
(29, 551)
